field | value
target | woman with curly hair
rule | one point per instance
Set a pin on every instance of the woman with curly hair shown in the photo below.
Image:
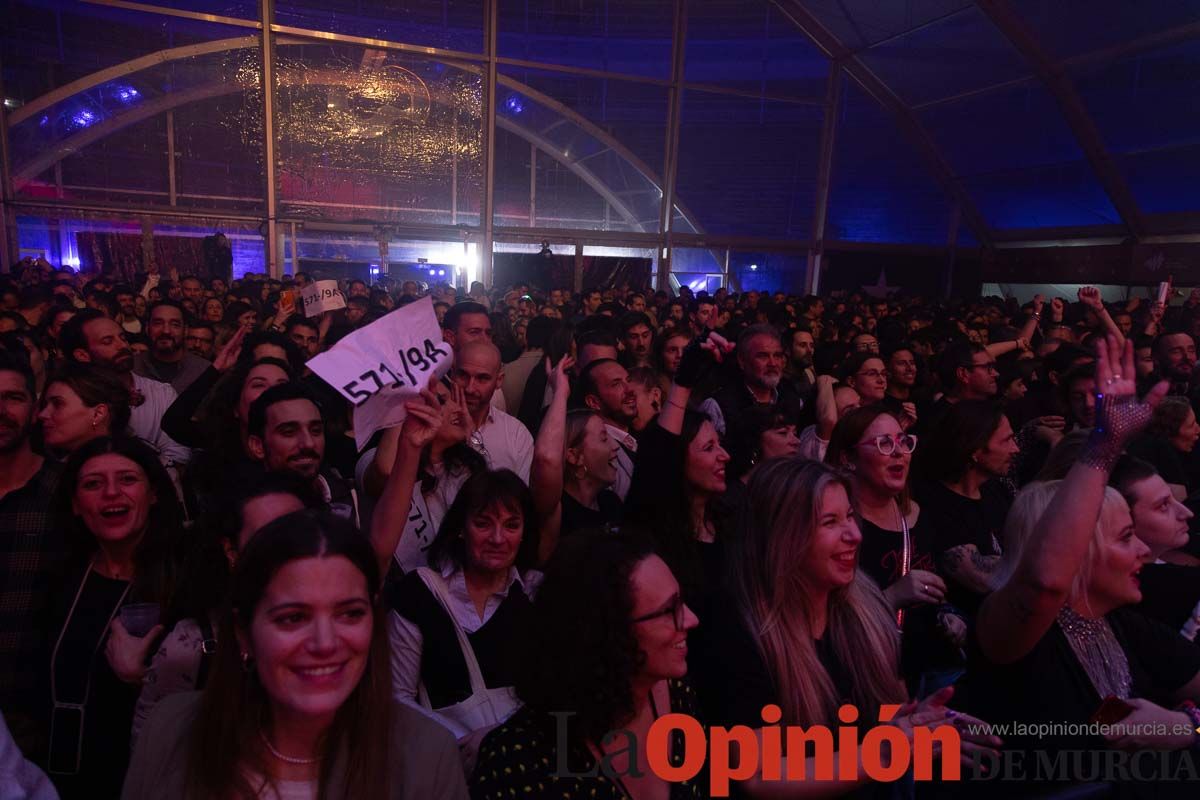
(607, 651)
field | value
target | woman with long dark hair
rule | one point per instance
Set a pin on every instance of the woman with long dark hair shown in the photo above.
(607, 650)
(679, 472)
(123, 533)
(297, 705)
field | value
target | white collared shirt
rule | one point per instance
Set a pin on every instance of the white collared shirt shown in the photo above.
(145, 420)
(407, 642)
(507, 444)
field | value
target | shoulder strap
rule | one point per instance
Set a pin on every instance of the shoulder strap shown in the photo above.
(208, 646)
(437, 586)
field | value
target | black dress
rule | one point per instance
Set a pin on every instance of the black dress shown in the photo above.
(81, 674)
(520, 759)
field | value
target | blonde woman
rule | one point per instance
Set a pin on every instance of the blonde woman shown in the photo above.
(803, 628)
(1055, 642)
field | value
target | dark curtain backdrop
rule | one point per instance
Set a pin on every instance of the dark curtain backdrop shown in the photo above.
(558, 271)
(120, 254)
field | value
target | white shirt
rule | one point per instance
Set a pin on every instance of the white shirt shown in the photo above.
(504, 443)
(407, 642)
(145, 421)
(624, 459)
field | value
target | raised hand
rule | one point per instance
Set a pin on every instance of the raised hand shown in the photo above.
(1090, 297)
(1038, 303)
(699, 356)
(559, 376)
(1120, 416)
(231, 351)
(1057, 305)
(424, 419)
(455, 418)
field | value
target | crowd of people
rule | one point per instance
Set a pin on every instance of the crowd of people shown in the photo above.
(749, 508)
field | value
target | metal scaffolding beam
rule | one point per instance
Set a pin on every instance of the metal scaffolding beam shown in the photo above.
(907, 120)
(271, 165)
(1058, 82)
(827, 145)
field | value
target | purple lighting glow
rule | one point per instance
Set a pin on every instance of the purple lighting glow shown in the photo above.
(126, 94)
(83, 119)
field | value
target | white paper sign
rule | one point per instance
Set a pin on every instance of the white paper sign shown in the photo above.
(379, 367)
(321, 296)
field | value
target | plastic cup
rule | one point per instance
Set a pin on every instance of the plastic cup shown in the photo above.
(139, 618)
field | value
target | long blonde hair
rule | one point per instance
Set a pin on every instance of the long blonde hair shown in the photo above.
(772, 594)
(1028, 507)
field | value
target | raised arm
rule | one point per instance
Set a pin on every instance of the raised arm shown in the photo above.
(1016, 616)
(1090, 297)
(546, 474)
(419, 428)
(698, 358)
(1035, 319)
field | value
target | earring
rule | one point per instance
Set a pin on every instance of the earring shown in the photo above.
(246, 661)
(93, 423)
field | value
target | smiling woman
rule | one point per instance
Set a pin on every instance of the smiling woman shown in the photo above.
(303, 649)
(124, 528)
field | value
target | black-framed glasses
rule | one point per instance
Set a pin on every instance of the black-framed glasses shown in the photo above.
(674, 609)
(887, 444)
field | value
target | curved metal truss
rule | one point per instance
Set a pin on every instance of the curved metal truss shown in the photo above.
(618, 197)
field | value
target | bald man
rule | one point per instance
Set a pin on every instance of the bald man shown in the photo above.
(500, 438)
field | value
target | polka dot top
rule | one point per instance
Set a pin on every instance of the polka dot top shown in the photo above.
(519, 759)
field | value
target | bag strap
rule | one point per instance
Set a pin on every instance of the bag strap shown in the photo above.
(208, 646)
(437, 586)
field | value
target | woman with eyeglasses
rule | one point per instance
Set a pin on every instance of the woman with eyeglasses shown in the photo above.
(866, 373)
(896, 550)
(607, 652)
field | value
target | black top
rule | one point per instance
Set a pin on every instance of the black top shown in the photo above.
(443, 667)
(954, 520)
(657, 504)
(520, 758)
(881, 553)
(108, 715)
(924, 649)
(1170, 593)
(1049, 685)
(578, 517)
